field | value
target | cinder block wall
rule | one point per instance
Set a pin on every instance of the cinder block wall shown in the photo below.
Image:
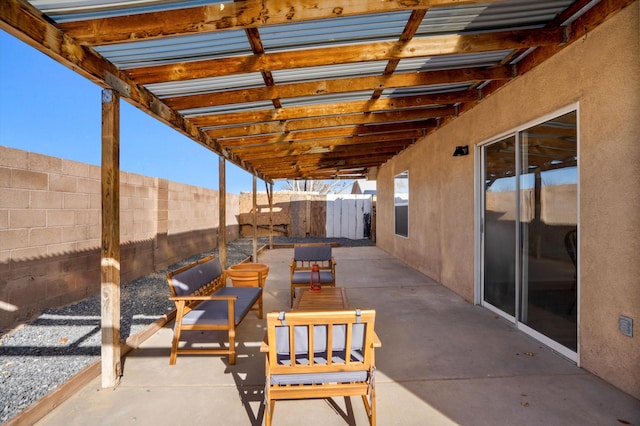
(50, 229)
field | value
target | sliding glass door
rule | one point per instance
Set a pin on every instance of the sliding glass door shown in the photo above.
(530, 229)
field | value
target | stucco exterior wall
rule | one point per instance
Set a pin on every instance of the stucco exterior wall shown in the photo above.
(601, 74)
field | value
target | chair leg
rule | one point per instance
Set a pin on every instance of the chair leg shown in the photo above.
(372, 420)
(370, 406)
(268, 412)
(232, 346)
(174, 346)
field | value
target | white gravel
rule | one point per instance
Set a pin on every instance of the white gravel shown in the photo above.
(36, 358)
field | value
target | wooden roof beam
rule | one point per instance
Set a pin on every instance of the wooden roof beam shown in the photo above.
(439, 45)
(330, 121)
(413, 134)
(251, 154)
(233, 15)
(308, 172)
(379, 105)
(342, 85)
(334, 132)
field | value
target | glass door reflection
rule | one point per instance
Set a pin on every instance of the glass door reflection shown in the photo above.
(500, 226)
(548, 228)
(530, 233)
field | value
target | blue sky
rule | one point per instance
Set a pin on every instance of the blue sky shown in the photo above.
(49, 109)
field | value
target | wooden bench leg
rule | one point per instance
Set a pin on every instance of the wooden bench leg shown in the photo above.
(176, 333)
(232, 346)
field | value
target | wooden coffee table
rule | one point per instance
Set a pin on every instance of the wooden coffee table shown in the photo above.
(327, 299)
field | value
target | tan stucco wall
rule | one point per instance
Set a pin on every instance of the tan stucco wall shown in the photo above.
(600, 72)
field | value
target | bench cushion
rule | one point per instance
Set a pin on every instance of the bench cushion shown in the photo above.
(215, 311)
(187, 282)
(304, 277)
(311, 253)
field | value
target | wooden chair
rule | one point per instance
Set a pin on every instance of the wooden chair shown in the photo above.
(304, 257)
(320, 355)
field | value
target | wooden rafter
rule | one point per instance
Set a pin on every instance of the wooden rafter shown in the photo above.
(233, 15)
(439, 45)
(323, 122)
(327, 87)
(379, 130)
(324, 110)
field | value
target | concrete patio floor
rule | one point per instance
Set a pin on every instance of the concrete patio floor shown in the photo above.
(443, 361)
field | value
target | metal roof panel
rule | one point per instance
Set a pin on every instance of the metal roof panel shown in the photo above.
(453, 61)
(177, 49)
(504, 15)
(326, 99)
(79, 10)
(206, 85)
(324, 32)
(359, 69)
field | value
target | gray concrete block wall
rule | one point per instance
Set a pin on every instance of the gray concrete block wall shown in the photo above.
(50, 229)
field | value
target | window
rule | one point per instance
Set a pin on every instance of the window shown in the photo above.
(401, 203)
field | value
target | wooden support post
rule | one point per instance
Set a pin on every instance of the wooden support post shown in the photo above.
(222, 219)
(110, 255)
(269, 188)
(255, 220)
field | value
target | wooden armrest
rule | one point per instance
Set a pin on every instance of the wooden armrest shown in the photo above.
(376, 340)
(264, 345)
(211, 297)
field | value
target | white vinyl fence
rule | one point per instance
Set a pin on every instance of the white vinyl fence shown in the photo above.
(348, 216)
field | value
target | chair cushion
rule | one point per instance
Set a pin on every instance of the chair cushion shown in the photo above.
(186, 282)
(215, 311)
(304, 277)
(319, 378)
(310, 253)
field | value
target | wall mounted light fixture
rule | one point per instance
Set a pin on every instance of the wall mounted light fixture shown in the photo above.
(461, 150)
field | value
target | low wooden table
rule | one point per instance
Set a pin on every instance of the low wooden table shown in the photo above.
(327, 299)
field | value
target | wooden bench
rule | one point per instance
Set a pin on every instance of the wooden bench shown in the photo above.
(304, 257)
(320, 355)
(204, 302)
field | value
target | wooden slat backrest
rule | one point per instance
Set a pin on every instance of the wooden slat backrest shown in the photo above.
(328, 319)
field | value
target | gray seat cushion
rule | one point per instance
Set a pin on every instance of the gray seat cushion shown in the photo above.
(319, 378)
(304, 277)
(216, 311)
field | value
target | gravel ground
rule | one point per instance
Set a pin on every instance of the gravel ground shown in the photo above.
(36, 358)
